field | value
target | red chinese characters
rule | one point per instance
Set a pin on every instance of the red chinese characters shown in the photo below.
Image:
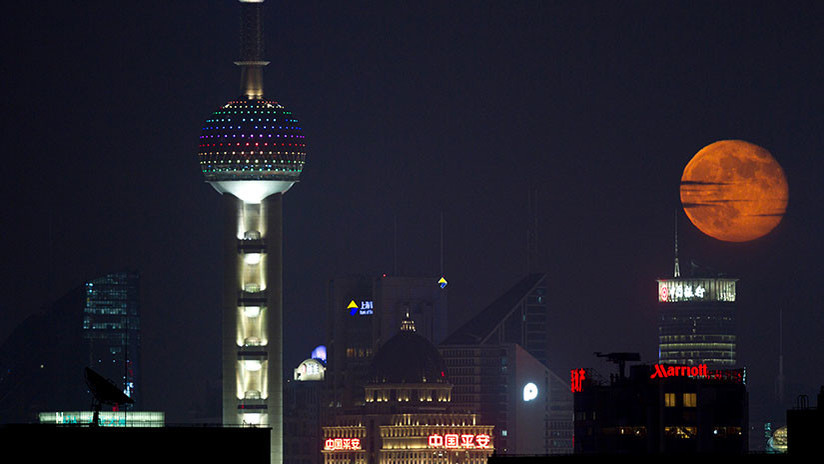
(577, 379)
(455, 441)
(338, 444)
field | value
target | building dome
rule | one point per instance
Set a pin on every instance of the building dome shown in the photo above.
(252, 140)
(408, 358)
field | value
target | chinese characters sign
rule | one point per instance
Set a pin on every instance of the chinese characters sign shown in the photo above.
(455, 441)
(678, 290)
(577, 379)
(337, 444)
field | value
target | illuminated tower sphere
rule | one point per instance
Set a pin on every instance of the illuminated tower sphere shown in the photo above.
(252, 150)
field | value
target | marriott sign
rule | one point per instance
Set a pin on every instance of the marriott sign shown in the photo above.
(662, 371)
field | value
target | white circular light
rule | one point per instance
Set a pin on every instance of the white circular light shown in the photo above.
(252, 365)
(251, 311)
(252, 258)
(530, 391)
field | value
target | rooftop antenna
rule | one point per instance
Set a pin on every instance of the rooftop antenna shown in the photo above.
(677, 267)
(532, 231)
(251, 49)
(395, 245)
(779, 381)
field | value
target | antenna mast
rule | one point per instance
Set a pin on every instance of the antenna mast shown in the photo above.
(251, 49)
(677, 267)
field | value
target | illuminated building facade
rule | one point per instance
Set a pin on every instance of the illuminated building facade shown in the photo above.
(111, 329)
(663, 409)
(407, 417)
(252, 150)
(363, 312)
(697, 321)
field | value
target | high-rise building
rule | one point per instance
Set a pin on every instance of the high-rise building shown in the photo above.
(696, 320)
(97, 325)
(252, 150)
(518, 316)
(497, 363)
(111, 329)
(362, 313)
(529, 405)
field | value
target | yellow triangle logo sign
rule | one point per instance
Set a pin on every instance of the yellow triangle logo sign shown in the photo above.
(352, 304)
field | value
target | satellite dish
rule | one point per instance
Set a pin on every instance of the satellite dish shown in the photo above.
(104, 392)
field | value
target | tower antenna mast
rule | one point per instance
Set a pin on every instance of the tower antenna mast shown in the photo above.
(677, 267)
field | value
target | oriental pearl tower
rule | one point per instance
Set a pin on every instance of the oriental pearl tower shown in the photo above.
(252, 150)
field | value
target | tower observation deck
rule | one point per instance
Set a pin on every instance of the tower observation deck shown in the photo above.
(252, 150)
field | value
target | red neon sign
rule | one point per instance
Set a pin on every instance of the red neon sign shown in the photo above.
(577, 380)
(337, 444)
(455, 441)
(679, 371)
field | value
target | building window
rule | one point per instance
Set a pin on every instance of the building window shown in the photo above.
(669, 400)
(690, 400)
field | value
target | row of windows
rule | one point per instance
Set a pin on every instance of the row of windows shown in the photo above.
(689, 400)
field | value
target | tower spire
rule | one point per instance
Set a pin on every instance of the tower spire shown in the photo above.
(677, 267)
(251, 49)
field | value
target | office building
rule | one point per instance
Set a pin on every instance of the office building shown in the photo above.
(97, 325)
(302, 410)
(363, 312)
(493, 374)
(662, 409)
(111, 330)
(696, 319)
(406, 416)
(252, 150)
(518, 316)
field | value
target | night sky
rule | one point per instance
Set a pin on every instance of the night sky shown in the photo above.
(411, 110)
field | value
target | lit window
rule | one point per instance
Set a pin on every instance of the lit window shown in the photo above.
(690, 400)
(669, 400)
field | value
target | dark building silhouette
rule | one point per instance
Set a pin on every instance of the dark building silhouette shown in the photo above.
(805, 426)
(94, 325)
(497, 363)
(518, 316)
(662, 409)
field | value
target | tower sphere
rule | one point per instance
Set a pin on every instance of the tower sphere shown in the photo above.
(252, 148)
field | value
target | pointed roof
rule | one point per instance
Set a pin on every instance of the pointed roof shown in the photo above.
(481, 327)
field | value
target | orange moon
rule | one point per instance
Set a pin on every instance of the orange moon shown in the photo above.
(734, 191)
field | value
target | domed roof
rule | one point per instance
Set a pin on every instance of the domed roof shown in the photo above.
(408, 358)
(252, 140)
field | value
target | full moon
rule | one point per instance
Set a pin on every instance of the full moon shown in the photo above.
(734, 191)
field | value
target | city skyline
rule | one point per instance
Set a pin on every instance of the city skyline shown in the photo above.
(459, 109)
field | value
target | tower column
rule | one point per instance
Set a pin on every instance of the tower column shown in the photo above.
(252, 316)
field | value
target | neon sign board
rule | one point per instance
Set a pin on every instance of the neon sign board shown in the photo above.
(577, 377)
(456, 441)
(679, 371)
(679, 290)
(364, 308)
(700, 371)
(338, 444)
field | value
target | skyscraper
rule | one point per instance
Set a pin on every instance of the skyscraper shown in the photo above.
(696, 319)
(252, 150)
(111, 329)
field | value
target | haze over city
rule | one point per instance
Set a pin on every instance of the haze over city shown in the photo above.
(413, 111)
